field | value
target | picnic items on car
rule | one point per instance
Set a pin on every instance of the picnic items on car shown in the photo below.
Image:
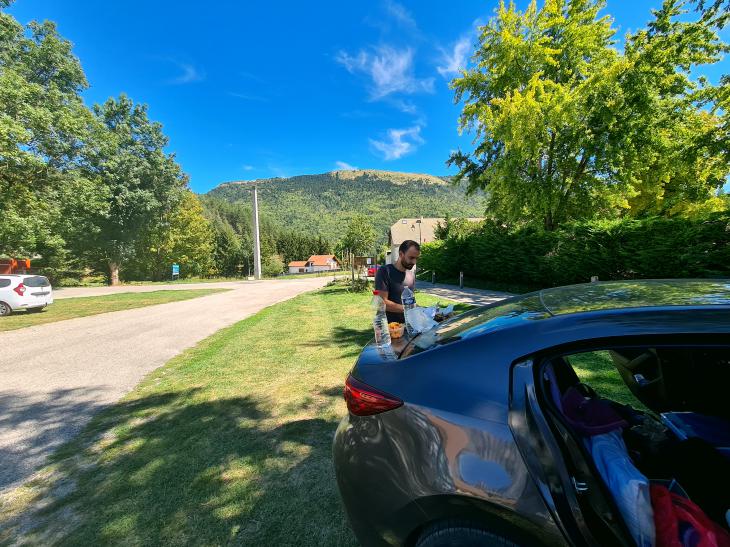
(421, 319)
(408, 299)
(396, 330)
(380, 321)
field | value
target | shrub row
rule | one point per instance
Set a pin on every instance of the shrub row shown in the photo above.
(617, 249)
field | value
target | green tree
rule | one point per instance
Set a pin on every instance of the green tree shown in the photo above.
(143, 182)
(534, 99)
(682, 152)
(44, 128)
(360, 237)
(183, 236)
(569, 128)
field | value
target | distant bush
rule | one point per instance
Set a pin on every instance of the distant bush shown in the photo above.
(616, 249)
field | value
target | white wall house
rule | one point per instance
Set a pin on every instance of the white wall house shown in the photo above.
(300, 266)
(421, 230)
(324, 263)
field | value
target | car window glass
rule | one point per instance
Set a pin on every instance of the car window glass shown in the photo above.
(596, 369)
(4, 283)
(479, 321)
(36, 281)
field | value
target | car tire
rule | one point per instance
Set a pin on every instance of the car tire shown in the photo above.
(36, 310)
(5, 310)
(459, 534)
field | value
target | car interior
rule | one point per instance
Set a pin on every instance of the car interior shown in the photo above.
(645, 434)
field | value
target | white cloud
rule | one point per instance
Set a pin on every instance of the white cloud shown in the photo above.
(399, 142)
(248, 167)
(452, 62)
(343, 166)
(189, 74)
(400, 14)
(390, 71)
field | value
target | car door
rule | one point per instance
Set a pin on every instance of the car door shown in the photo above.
(6, 292)
(570, 488)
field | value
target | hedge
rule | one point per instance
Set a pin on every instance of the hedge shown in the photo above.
(618, 249)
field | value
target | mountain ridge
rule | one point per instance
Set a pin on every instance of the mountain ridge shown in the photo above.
(323, 204)
(347, 174)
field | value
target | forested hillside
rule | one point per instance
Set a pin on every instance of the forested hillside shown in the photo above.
(324, 204)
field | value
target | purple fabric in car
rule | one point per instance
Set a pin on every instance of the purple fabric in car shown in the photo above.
(590, 416)
(552, 381)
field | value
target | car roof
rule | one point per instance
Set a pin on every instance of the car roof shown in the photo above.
(20, 275)
(657, 298)
(615, 295)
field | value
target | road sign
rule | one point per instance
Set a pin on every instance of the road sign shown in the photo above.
(176, 270)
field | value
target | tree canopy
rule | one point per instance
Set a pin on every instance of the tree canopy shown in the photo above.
(567, 127)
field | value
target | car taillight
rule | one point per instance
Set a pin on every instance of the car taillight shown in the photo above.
(20, 289)
(363, 400)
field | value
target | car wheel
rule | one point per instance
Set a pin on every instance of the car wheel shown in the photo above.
(5, 309)
(36, 310)
(458, 534)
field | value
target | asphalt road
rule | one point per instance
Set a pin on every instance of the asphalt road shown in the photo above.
(54, 377)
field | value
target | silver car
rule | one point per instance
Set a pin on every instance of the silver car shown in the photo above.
(462, 440)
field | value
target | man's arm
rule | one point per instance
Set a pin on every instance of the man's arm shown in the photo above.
(389, 304)
(382, 284)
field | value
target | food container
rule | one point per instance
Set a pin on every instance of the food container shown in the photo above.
(396, 329)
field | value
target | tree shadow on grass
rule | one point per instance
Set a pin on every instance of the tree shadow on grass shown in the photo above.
(175, 469)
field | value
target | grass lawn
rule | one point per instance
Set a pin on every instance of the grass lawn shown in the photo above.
(98, 281)
(597, 370)
(228, 443)
(69, 308)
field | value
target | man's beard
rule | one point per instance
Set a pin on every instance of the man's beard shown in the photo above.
(408, 266)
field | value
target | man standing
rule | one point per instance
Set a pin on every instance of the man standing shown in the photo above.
(390, 280)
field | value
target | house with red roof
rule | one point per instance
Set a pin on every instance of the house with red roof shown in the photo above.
(299, 266)
(315, 263)
(324, 263)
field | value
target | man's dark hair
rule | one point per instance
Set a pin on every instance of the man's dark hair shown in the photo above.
(407, 244)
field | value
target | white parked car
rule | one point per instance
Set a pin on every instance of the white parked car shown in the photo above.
(24, 292)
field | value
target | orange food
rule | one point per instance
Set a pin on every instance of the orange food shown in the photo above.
(396, 329)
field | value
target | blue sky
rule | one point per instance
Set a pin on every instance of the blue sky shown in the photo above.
(260, 89)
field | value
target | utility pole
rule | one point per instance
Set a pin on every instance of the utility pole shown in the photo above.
(256, 241)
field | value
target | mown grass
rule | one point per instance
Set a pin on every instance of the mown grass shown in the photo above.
(598, 371)
(70, 308)
(229, 443)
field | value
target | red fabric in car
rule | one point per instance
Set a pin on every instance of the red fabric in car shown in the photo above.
(672, 512)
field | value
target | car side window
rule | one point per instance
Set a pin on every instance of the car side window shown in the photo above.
(4, 283)
(597, 369)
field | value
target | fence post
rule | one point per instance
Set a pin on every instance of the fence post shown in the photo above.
(461, 280)
(433, 278)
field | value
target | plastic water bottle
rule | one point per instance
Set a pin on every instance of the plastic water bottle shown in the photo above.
(380, 322)
(408, 299)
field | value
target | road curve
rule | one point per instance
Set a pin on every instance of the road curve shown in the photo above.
(54, 377)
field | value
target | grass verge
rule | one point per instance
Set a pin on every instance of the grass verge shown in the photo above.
(228, 443)
(70, 308)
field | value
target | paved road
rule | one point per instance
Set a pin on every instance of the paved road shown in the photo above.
(476, 297)
(54, 377)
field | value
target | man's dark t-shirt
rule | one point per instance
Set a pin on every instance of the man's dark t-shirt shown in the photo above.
(389, 279)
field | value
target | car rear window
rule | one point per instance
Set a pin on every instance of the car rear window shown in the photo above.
(36, 281)
(478, 321)
(4, 283)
